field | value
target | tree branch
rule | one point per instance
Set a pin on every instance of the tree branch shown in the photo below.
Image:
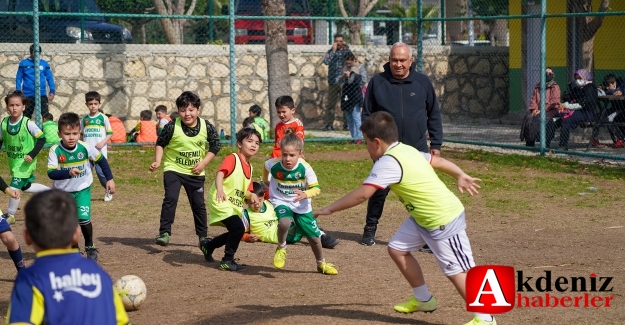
(342, 7)
(368, 8)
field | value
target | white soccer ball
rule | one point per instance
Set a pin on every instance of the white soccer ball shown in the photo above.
(132, 291)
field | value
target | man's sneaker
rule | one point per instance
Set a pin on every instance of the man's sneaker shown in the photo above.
(425, 249)
(328, 241)
(9, 218)
(477, 321)
(231, 266)
(208, 252)
(108, 196)
(345, 127)
(92, 253)
(280, 258)
(413, 305)
(368, 236)
(327, 268)
(163, 239)
(328, 128)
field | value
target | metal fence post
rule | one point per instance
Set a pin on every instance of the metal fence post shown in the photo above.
(37, 72)
(233, 97)
(443, 22)
(543, 68)
(420, 35)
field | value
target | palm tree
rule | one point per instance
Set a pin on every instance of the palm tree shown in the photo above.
(429, 11)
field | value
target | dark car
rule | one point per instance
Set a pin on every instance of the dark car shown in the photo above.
(58, 29)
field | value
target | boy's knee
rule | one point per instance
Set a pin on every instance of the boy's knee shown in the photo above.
(8, 239)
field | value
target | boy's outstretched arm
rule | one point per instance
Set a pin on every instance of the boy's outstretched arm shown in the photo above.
(464, 181)
(355, 197)
(158, 156)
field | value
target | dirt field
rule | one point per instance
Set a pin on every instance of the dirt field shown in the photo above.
(549, 233)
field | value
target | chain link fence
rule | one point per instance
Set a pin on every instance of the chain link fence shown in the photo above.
(485, 58)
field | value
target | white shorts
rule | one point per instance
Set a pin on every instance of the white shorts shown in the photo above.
(453, 254)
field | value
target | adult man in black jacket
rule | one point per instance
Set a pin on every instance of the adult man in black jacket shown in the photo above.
(409, 96)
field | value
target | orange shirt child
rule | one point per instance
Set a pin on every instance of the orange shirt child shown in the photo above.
(147, 131)
(119, 130)
(298, 129)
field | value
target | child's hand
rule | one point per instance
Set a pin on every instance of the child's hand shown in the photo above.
(28, 159)
(100, 145)
(252, 238)
(198, 168)
(154, 166)
(110, 187)
(12, 193)
(322, 212)
(220, 196)
(468, 183)
(74, 172)
(300, 195)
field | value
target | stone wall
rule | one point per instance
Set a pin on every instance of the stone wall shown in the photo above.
(470, 82)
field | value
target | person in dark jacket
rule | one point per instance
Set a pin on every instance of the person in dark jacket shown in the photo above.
(583, 92)
(409, 97)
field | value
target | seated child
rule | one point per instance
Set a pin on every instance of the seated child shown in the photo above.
(50, 129)
(173, 115)
(119, 130)
(249, 122)
(255, 112)
(145, 131)
(42, 293)
(261, 223)
(161, 116)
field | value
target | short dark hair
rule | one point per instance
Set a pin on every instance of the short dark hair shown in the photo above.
(256, 109)
(259, 189)
(92, 95)
(350, 56)
(16, 93)
(188, 98)
(51, 218)
(380, 125)
(32, 48)
(245, 133)
(609, 78)
(173, 115)
(160, 108)
(338, 35)
(145, 115)
(285, 101)
(68, 119)
(248, 121)
(48, 117)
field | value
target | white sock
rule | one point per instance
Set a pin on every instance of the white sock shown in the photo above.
(13, 204)
(36, 188)
(282, 245)
(484, 317)
(321, 233)
(422, 293)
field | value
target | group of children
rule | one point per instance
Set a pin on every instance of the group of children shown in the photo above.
(285, 218)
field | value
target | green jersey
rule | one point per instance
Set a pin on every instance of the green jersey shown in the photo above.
(19, 140)
(62, 158)
(95, 129)
(263, 125)
(51, 132)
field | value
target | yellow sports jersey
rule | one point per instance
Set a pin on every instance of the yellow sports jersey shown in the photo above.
(234, 185)
(263, 223)
(183, 151)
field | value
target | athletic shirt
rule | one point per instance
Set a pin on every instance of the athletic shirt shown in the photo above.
(95, 129)
(162, 122)
(234, 185)
(62, 287)
(298, 129)
(147, 132)
(263, 125)
(51, 132)
(64, 159)
(263, 223)
(284, 181)
(19, 140)
(410, 176)
(183, 152)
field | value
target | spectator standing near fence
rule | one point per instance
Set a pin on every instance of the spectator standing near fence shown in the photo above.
(353, 80)
(335, 60)
(25, 81)
(409, 97)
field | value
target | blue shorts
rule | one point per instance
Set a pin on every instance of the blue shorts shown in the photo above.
(4, 225)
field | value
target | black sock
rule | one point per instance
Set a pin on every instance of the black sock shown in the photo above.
(17, 258)
(87, 231)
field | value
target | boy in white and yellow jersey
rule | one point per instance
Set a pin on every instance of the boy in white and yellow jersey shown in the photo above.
(436, 215)
(182, 144)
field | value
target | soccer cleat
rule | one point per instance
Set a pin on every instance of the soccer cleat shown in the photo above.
(208, 252)
(477, 321)
(327, 268)
(425, 249)
(108, 196)
(9, 218)
(231, 266)
(280, 258)
(92, 253)
(163, 239)
(368, 236)
(413, 305)
(328, 241)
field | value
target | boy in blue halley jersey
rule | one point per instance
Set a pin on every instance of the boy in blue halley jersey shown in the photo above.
(61, 287)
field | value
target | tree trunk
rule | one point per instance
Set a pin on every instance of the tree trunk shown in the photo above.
(277, 55)
(585, 28)
(354, 26)
(173, 27)
(137, 30)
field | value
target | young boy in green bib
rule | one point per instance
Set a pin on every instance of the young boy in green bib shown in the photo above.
(69, 167)
(182, 145)
(50, 129)
(22, 140)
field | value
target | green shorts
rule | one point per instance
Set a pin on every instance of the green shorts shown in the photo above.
(83, 203)
(306, 224)
(22, 184)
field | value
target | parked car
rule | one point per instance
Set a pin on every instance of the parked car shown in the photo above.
(253, 31)
(59, 29)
